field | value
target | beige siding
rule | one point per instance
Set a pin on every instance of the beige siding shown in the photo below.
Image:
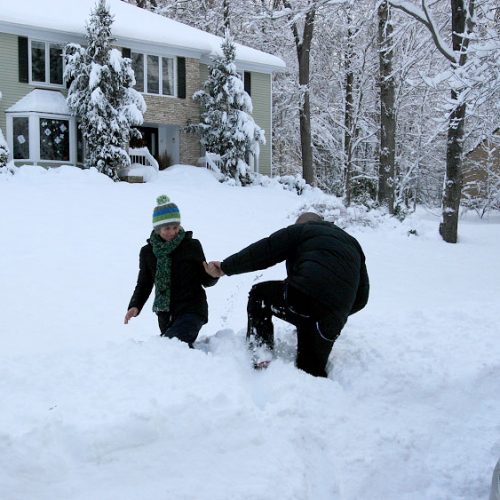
(261, 99)
(10, 87)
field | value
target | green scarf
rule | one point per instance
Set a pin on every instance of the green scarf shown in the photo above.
(162, 250)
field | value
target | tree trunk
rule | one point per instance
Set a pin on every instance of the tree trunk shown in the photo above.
(348, 118)
(227, 18)
(386, 178)
(453, 181)
(448, 228)
(303, 52)
(303, 47)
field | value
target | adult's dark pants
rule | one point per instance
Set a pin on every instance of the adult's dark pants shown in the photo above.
(184, 327)
(316, 330)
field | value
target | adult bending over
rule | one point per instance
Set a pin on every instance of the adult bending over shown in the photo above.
(326, 281)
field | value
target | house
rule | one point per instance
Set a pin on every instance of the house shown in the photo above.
(481, 169)
(170, 60)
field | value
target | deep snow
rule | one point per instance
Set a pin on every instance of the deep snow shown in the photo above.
(94, 409)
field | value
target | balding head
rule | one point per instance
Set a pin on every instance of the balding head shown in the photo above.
(308, 217)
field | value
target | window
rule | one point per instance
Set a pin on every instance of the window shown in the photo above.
(46, 63)
(246, 77)
(80, 145)
(38, 61)
(42, 137)
(56, 64)
(153, 74)
(54, 139)
(20, 125)
(167, 76)
(138, 67)
(153, 82)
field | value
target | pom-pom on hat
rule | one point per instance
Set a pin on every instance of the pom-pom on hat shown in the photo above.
(165, 212)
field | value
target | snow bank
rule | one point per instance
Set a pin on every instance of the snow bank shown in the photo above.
(96, 409)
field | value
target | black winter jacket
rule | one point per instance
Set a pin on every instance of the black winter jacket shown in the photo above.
(322, 261)
(188, 278)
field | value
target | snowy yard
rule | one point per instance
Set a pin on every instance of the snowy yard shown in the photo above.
(93, 409)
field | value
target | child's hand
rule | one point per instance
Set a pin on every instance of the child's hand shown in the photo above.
(213, 269)
(131, 313)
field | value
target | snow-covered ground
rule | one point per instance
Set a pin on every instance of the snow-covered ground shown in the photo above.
(94, 409)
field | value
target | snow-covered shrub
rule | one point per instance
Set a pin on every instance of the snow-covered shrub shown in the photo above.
(293, 183)
(332, 209)
(227, 128)
(101, 94)
(4, 151)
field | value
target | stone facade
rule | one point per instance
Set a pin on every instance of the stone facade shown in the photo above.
(167, 110)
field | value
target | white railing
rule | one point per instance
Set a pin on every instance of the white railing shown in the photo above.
(211, 161)
(142, 156)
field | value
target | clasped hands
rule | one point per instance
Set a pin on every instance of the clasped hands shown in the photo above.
(213, 268)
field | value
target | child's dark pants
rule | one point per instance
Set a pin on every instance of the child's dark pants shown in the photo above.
(185, 327)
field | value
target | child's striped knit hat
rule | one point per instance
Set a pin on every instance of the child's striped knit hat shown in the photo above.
(165, 212)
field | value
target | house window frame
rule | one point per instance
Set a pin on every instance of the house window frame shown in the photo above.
(12, 142)
(160, 57)
(34, 118)
(241, 73)
(40, 137)
(47, 46)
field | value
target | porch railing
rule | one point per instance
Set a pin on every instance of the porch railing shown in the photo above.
(142, 156)
(212, 161)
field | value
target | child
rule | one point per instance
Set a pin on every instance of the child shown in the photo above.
(172, 261)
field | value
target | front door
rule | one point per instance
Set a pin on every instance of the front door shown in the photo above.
(149, 140)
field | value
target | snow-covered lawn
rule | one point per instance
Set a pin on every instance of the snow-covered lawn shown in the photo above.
(93, 409)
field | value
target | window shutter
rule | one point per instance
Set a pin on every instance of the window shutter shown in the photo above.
(126, 52)
(22, 49)
(247, 82)
(181, 77)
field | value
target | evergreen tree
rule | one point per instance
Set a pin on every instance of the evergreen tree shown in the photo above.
(4, 149)
(227, 127)
(101, 94)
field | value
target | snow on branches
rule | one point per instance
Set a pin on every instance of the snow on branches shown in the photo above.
(101, 94)
(227, 128)
(4, 148)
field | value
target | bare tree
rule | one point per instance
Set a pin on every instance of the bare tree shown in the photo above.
(226, 15)
(348, 111)
(461, 28)
(386, 178)
(303, 45)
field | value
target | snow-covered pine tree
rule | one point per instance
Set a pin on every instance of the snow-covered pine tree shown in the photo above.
(227, 127)
(4, 149)
(101, 94)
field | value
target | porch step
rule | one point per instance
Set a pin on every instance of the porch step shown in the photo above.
(133, 179)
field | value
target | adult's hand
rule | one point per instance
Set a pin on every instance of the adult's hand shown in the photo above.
(213, 268)
(131, 313)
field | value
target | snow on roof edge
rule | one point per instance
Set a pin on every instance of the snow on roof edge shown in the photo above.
(131, 23)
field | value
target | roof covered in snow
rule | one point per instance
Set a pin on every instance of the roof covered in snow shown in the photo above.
(131, 24)
(41, 101)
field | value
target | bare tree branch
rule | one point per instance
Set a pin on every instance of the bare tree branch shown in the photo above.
(423, 16)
